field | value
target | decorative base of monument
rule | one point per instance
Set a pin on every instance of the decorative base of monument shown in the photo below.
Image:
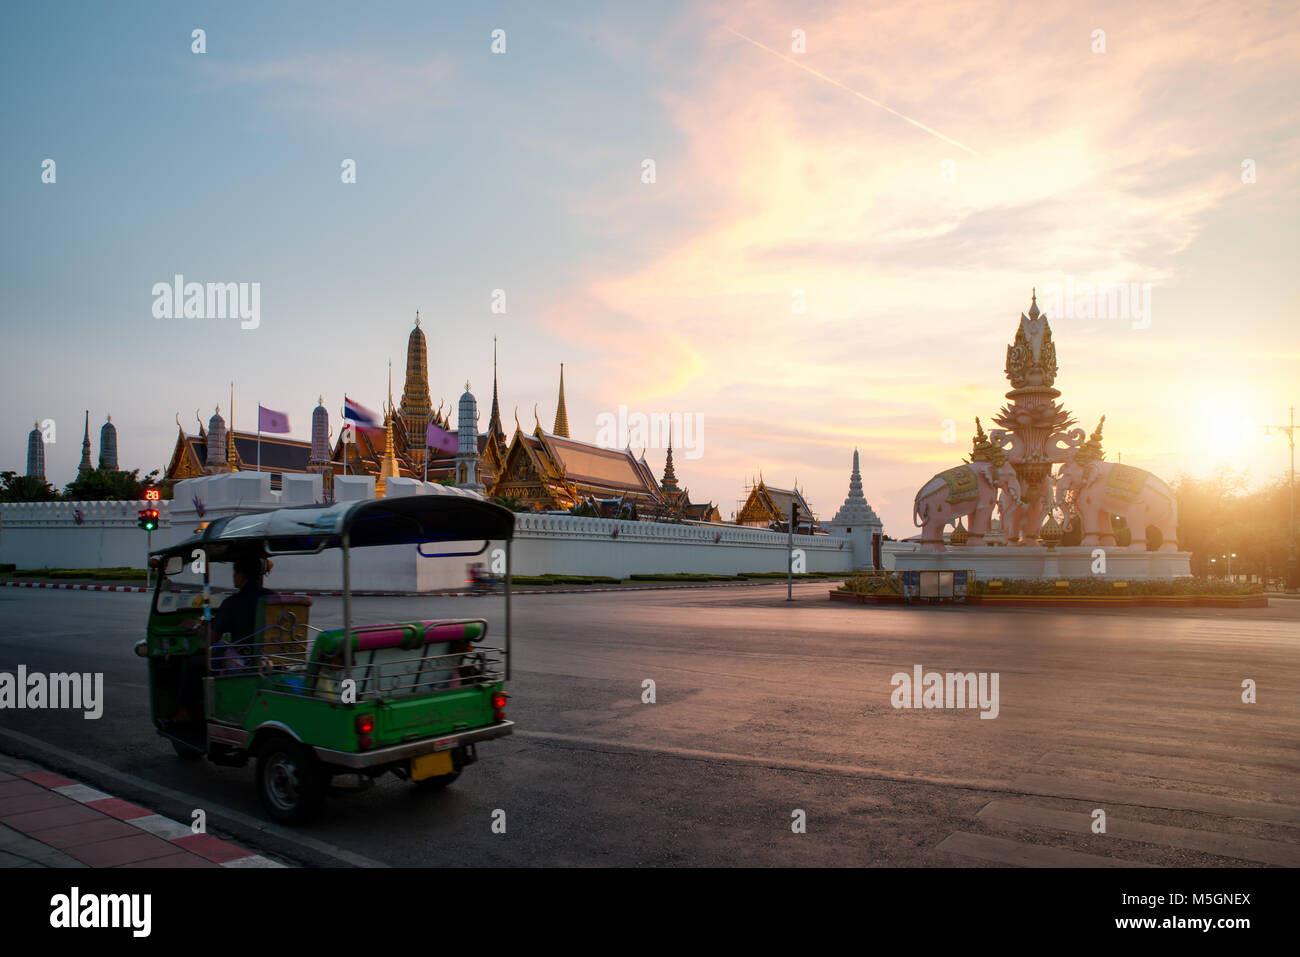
(1036, 562)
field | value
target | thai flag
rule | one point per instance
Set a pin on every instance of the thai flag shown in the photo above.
(441, 439)
(360, 416)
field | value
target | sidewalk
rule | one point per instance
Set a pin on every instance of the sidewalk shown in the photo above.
(52, 821)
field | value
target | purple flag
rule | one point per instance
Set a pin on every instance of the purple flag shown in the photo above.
(439, 439)
(269, 420)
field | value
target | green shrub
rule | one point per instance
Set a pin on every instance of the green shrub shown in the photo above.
(873, 583)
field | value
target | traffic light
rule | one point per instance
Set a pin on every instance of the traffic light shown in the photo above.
(148, 519)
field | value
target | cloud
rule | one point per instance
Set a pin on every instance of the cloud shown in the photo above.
(1102, 166)
(365, 88)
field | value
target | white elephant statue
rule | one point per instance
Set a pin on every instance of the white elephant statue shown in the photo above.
(1022, 519)
(1098, 490)
(972, 489)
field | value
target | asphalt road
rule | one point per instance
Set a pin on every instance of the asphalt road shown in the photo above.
(765, 708)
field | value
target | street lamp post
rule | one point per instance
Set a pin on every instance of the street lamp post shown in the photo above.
(1291, 582)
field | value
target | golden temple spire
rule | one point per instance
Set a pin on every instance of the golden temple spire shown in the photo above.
(388, 465)
(230, 433)
(561, 414)
(494, 420)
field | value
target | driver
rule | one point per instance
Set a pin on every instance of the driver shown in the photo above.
(237, 617)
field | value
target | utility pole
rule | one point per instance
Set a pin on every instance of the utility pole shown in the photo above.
(1291, 583)
(789, 563)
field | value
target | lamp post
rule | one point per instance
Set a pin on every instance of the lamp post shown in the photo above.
(1291, 582)
(1213, 561)
(1230, 556)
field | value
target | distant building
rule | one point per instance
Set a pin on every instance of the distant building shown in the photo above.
(84, 467)
(467, 452)
(219, 449)
(546, 471)
(857, 520)
(108, 445)
(36, 453)
(770, 507)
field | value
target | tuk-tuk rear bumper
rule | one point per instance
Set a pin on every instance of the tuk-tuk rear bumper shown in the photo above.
(411, 749)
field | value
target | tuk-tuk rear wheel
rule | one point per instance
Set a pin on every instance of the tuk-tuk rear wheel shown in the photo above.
(290, 781)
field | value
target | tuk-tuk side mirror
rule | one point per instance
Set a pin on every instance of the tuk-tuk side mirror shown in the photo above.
(154, 563)
(174, 565)
(142, 648)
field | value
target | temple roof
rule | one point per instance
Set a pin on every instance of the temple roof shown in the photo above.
(597, 466)
(278, 455)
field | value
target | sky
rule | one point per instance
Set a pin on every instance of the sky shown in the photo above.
(848, 210)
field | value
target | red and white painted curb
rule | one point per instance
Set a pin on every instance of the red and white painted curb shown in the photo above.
(204, 845)
(75, 587)
(453, 594)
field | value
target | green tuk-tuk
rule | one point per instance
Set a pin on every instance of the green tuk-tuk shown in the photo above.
(411, 697)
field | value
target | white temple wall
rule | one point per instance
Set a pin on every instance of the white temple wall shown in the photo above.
(46, 535)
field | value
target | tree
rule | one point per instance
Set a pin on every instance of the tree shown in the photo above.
(109, 485)
(25, 488)
(1218, 516)
(511, 502)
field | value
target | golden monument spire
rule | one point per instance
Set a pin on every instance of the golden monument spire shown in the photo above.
(561, 414)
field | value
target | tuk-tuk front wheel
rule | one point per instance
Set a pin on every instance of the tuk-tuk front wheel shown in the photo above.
(290, 781)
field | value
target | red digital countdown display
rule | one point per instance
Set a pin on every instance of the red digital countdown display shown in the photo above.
(152, 495)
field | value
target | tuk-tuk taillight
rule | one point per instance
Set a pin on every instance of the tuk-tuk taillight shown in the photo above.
(365, 724)
(499, 706)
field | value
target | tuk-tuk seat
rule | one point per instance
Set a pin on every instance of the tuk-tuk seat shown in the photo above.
(396, 646)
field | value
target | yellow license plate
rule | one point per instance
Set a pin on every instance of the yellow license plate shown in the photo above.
(431, 765)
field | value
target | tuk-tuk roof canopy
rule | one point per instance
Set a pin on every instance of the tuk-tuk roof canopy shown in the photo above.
(308, 528)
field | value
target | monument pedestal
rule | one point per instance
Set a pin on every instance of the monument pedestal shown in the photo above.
(1035, 561)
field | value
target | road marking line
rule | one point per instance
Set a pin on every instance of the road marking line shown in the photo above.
(1279, 758)
(1081, 789)
(1240, 847)
(1270, 784)
(1001, 851)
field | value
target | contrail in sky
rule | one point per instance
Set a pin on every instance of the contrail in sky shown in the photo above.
(860, 96)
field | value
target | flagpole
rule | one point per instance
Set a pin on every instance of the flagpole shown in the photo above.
(345, 425)
(259, 436)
